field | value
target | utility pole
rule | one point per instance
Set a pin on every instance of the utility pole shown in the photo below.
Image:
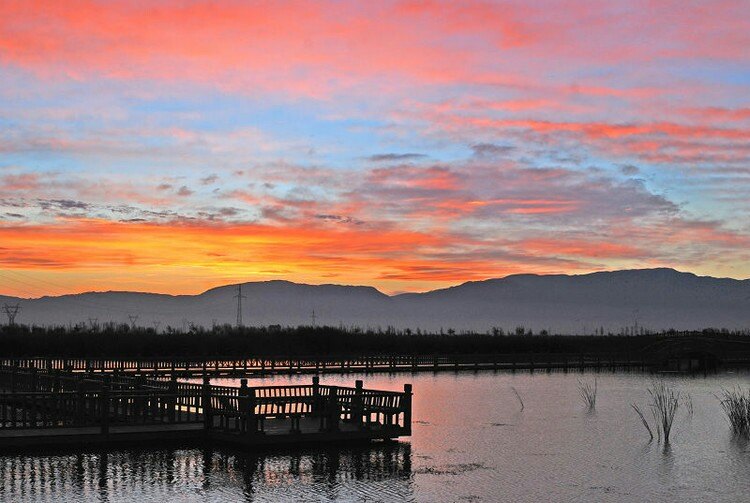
(239, 298)
(11, 312)
(133, 319)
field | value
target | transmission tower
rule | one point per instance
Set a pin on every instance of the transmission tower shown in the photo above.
(313, 317)
(133, 319)
(94, 323)
(11, 312)
(239, 298)
(156, 324)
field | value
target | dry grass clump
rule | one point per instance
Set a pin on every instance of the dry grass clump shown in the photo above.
(588, 393)
(664, 403)
(736, 405)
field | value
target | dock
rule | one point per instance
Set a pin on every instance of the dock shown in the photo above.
(54, 407)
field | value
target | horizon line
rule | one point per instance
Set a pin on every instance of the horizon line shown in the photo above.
(392, 294)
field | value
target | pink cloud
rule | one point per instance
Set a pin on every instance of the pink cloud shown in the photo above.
(312, 48)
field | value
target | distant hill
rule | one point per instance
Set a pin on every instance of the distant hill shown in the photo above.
(652, 298)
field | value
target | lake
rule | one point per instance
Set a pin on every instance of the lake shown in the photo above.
(471, 442)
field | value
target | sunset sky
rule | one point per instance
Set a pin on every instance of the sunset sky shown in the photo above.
(172, 146)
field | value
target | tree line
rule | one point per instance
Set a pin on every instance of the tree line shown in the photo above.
(125, 341)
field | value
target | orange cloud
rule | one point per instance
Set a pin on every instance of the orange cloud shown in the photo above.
(193, 256)
(89, 254)
(580, 248)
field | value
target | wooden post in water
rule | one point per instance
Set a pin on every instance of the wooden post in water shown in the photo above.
(206, 403)
(407, 408)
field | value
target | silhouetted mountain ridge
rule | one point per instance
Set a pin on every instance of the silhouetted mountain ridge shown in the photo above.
(652, 298)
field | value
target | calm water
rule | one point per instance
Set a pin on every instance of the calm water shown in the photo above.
(471, 442)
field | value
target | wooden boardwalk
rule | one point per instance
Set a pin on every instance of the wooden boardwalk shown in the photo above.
(41, 408)
(250, 367)
(679, 351)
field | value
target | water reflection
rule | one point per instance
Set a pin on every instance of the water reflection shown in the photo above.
(370, 472)
(471, 441)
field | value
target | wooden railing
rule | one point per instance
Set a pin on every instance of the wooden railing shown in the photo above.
(31, 399)
(317, 365)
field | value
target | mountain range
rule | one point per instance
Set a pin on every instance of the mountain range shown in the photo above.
(650, 298)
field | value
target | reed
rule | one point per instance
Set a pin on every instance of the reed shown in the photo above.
(665, 401)
(643, 420)
(518, 395)
(588, 393)
(689, 405)
(736, 405)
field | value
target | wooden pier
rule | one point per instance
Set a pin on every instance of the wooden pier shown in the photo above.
(53, 407)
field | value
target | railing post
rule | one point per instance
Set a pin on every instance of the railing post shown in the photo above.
(56, 388)
(334, 413)
(34, 380)
(13, 377)
(138, 403)
(104, 404)
(315, 395)
(206, 403)
(356, 412)
(243, 405)
(252, 420)
(172, 401)
(407, 408)
(80, 406)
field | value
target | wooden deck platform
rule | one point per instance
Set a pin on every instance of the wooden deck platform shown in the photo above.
(55, 408)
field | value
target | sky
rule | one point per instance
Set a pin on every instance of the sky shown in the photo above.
(173, 146)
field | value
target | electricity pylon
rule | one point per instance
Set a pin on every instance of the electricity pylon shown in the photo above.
(239, 298)
(11, 312)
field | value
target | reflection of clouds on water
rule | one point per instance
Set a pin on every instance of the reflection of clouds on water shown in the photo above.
(375, 472)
